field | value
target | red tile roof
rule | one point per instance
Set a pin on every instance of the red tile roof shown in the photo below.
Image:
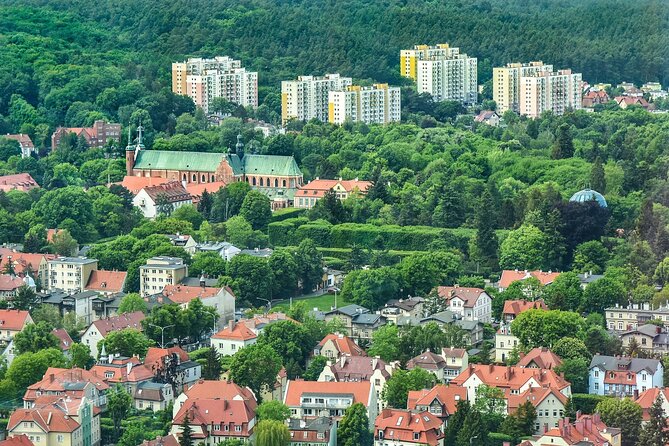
(20, 181)
(446, 396)
(648, 397)
(155, 355)
(14, 320)
(10, 283)
(168, 440)
(510, 377)
(317, 188)
(183, 294)
(402, 425)
(220, 390)
(541, 357)
(343, 344)
(23, 139)
(515, 307)
(357, 368)
(195, 190)
(18, 440)
(64, 337)
(428, 361)
(173, 191)
(450, 352)
(125, 370)
(208, 413)
(54, 380)
(585, 426)
(120, 322)
(106, 281)
(239, 332)
(135, 184)
(23, 261)
(296, 388)
(47, 420)
(510, 276)
(468, 295)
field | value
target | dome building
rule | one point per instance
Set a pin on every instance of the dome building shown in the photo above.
(586, 195)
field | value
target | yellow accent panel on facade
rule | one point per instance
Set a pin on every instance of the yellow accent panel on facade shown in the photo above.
(284, 107)
(331, 112)
(413, 72)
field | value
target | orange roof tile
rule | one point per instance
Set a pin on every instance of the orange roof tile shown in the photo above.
(23, 261)
(48, 420)
(447, 396)
(323, 186)
(239, 332)
(296, 388)
(196, 189)
(107, 281)
(220, 390)
(120, 322)
(403, 425)
(135, 184)
(64, 337)
(648, 397)
(155, 355)
(183, 294)
(209, 413)
(542, 357)
(10, 283)
(14, 320)
(511, 377)
(17, 440)
(168, 440)
(468, 295)
(20, 181)
(510, 276)
(515, 307)
(117, 371)
(344, 345)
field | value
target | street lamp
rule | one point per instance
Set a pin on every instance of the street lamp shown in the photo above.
(471, 440)
(162, 333)
(269, 303)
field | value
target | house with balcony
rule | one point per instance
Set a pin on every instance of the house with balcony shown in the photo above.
(623, 376)
(406, 428)
(70, 274)
(320, 431)
(441, 400)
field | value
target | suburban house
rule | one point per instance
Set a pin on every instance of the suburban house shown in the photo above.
(406, 428)
(628, 318)
(587, 278)
(12, 322)
(512, 308)
(65, 340)
(312, 399)
(220, 298)
(17, 440)
(627, 101)
(173, 361)
(10, 284)
(224, 249)
(510, 276)
(321, 431)
(18, 181)
(359, 321)
(99, 329)
(397, 308)
(25, 143)
(441, 400)
(106, 282)
(215, 390)
(161, 198)
(473, 328)
(595, 97)
(70, 274)
(505, 342)
(549, 403)
(167, 440)
(308, 194)
(152, 395)
(647, 399)
(585, 430)
(489, 117)
(335, 345)
(359, 368)
(184, 241)
(128, 372)
(515, 380)
(73, 383)
(27, 264)
(232, 338)
(445, 366)
(623, 376)
(472, 304)
(648, 337)
(159, 272)
(539, 358)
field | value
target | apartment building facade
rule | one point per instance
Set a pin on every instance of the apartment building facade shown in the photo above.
(307, 97)
(507, 83)
(160, 272)
(409, 58)
(378, 104)
(70, 274)
(452, 79)
(221, 77)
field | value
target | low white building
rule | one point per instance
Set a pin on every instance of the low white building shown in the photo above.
(99, 329)
(150, 199)
(472, 304)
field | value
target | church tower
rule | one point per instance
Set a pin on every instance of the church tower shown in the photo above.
(129, 155)
(239, 147)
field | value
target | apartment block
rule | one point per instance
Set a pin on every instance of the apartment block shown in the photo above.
(307, 97)
(409, 58)
(378, 104)
(221, 77)
(70, 274)
(530, 89)
(452, 79)
(160, 272)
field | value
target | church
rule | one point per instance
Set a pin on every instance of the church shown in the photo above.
(279, 177)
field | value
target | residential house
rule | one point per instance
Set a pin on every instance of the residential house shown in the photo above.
(445, 366)
(405, 428)
(120, 370)
(489, 117)
(196, 190)
(397, 308)
(321, 431)
(27, 264)
(222, 299)
(364, 325)
(10, 284)
(106, 282)
(648, 337)
(647, 399)
(152, 396)
(346, 315)
(65, 340)
(161, 198)
(18, 181)
(183, 241)
(512, 308)
(25, 143)
(586, 430)
(429, 361)
(515, 380)
(335, 345)
(74, 383)
(332, 278)
(264, 253)
(539, 358)
(441, 400)
(308, 194)
(472, 304)
(70, 274)
(623, 376)
(587, 278)
(224, 249)
(510, 276)
(167, 440)
(359, 368)
(159, 272)
(96, 136)
(549, 403)
(12, 322)
(232, 338)
(311, 399)
(215, 390)
(18, 440)
(99, 329)
(627, 101)
(505, 343)
(595, 97)
(173, 361)
(628, 318)
(473, 328)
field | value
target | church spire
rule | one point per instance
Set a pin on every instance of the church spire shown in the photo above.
(239, 147)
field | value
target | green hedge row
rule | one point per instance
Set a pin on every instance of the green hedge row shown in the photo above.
(286, 213)
(586, 402)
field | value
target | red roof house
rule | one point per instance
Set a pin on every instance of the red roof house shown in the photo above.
(406, 427)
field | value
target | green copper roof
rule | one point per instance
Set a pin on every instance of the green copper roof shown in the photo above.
(172, 160)
(270, 165)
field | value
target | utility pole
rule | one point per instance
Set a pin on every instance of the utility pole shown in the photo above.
(162, 333)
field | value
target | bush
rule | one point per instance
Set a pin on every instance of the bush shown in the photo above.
(286, 213)
(498, 439)
(585, 402)
(282, 233)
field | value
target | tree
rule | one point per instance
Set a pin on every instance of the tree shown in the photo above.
(597, 176)
(372, 288)
(576, 372)
(541, 328)
(291, 341)
(35, 337)
(251, 279)
(316, 366)
(565, 293)
(624, 414)
(489, 400)
(28, 368)
(273, 410)
(525, 249)
(127, 342)
(211, 369)
(255, 366)
(456, 421)
(421, 272)
(80, 356)
(309, 264)
(63, 243)
(396, 389)
(603, 293)
(119, 403)
(486, 242)
(205, 204)
(256, 209)
(271, 433)
(591, 257)
(329, 208)
(599, 341)
(208, 263)
(186, 438)
(571, 348)
(164, 206)
(520, 423)
(35, 239)
(26, 299)
(656, 431)
(353, 429)
(284, 273)
(563, 147)
(473, 427)
(132, 302)
(133, 434)
(386, 343)
(238, 231)
(190, 214)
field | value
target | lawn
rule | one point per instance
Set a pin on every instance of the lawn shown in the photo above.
(323, 302)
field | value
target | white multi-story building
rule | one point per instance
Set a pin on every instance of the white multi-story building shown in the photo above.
(160, 272)
(307, 97)
(222, 77)
(449, 79)
(506, 83)
(70, 273)
(378, 104)
(409, 58)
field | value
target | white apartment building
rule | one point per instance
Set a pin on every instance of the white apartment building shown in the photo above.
(70, 274)
(449, 79)
(409, 58)
(205, 79)
(507, 80)
(307, 97)
(160, 272)
(378, 104)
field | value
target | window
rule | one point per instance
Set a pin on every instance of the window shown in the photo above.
(204, 178)
(238, 428)
(262, 181)
(596, 373)
(254, 181)
(416, 436)
(194, 177)
(596, 386)
(217, 427)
